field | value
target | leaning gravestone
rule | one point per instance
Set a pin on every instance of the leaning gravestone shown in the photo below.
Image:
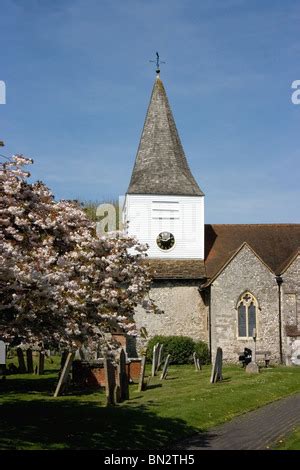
(110, 382)
(123, 377)
(165, 368)
(216, 374)
(29, 360)
(21, 361)
(142, 375)
(65, 374)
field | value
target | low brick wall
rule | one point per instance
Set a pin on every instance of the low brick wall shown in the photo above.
(92, 375)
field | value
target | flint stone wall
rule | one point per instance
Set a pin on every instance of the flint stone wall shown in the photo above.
(184, 311)
(291, 309)
(245, 272)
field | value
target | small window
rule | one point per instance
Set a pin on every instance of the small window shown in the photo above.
(247, 309)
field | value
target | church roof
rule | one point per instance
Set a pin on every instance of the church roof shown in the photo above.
(160, 165)
(176, 268)
(275, 244)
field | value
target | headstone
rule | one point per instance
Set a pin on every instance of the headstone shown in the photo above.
(64, 358)
(196, 362)
(41, 369)
(2, 353)
(159, 360)
(252, 368)
(158, 348)
(142, 375)
(165, 368)
(65, 374)
(216, 374)
(29, 360)
(21, 361)
(117, 394)
(153, 372)
(2, 358)
(110, 381)
(122, 376)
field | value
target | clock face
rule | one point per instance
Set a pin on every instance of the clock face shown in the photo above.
(165, 240)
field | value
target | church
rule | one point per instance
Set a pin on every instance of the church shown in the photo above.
(221, 283)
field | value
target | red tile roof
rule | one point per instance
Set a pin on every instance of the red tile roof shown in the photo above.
(275, 244)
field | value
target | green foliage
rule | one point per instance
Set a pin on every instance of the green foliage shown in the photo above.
(180, 348)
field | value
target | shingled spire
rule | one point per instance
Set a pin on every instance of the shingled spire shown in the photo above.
(160, 165)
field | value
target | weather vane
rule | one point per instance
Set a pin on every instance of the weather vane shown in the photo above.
(158, 62)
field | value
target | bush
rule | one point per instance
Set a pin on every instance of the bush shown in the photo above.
(180, 348)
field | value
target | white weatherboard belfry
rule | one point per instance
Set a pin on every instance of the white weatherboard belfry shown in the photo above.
(164, 206)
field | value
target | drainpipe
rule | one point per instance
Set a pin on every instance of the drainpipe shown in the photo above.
(279, 281)
(209, 322)
(207, 291)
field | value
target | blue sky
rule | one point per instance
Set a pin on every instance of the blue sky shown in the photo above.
(79, 80)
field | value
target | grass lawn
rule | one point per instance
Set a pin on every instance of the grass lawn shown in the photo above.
(183, 404)
(291, 442)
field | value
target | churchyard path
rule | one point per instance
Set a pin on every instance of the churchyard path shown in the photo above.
(256, 430)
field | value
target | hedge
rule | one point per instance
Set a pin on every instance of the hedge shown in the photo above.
(180, 348)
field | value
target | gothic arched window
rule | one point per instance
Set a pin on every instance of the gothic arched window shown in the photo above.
(247, 309)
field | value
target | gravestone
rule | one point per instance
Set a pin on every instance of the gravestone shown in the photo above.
(65, 374)
(41, 368)
(117, 394)
(252, 367)
(158, 348)
(110, 381)
(21, 361)
(2, 353)
(216, 374)
(2, 358)
(154, 360)
(165, 368)
(64, 358)
(142, 375)
(29, 360)
(123, 377)
(159, 360)
(196, 362)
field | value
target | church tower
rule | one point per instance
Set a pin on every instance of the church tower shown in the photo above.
(164, 206)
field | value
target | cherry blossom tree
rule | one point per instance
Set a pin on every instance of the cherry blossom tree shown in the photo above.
(59, 282)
